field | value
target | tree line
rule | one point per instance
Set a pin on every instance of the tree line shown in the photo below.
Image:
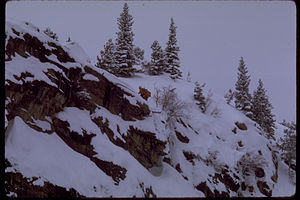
(119, 57)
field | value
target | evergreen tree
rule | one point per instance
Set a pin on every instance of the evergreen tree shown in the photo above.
(157, 59)
(241, 94)
(124, 55)
(51, 34)
(107, 60)
(171, 54)
(139, 55)
(229, 96)
(69, 40)
(198, 95)
(288, 144)
(261, 110)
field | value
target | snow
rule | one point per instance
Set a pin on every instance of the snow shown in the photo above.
(44, 125)
(78, 119)
(31, 65)
(90, 77)
(284, 187)
(49, 158)
(25, 27)
(77, 52)
(210, 128)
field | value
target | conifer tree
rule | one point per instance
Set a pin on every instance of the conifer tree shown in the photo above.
(171, 54)
(288, 144)
(157, 59)
(241, 94)
(198, 95)
(139, 55)
(107, 60)
(261, 110)
(124, 55)
(69, 40)
(51, 34)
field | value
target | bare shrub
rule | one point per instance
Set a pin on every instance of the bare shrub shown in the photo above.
(170, 104)
(216, 112)
(208, 99)
(211, 159)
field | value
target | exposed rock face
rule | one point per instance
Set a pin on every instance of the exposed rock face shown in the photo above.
(189, 156)
(234, 130)
(79, 143)
(264, 188)
(23, 187)
(144, 146)
(182, 138)
(105, 99)
(147, 191)
(259, 172)
(205, 189)
(33, 46)
(110, 96)
(37, 99)
(115, 171)
(241, 126)
(228, 181)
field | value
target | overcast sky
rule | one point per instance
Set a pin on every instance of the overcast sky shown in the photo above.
(212, 36)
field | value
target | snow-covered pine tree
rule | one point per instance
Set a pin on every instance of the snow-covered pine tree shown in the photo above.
(69, 40)
(171, 54)
(139, 55)
(107, 60)
(124, 55)
(199, 97)
(51, 34)
(157, 59)
(241, 94)
(288, 145)
(261, 110)
(229, 96)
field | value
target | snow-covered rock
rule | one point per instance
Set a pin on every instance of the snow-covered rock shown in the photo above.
(74, 130)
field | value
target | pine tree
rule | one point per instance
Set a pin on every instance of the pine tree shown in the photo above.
(51, 34)
(288, 144)
(107, 60)
(157, 59)
(199, 97)
(241, 94)
(171, 54)
(138, 55)
(261, 110)
(229, 96)
(124, 55)
(69, 40)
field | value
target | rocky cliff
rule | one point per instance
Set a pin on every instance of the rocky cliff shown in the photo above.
(73, 130)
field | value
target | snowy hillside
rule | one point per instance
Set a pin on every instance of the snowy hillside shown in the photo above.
(74, 130)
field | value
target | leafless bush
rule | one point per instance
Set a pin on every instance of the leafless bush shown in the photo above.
(208, 99)
(170, 103)
(211, 159)
(215, 112)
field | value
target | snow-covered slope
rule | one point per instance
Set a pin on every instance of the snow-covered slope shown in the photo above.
(75, 130)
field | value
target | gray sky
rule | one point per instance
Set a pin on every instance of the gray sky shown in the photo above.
(212, 36)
